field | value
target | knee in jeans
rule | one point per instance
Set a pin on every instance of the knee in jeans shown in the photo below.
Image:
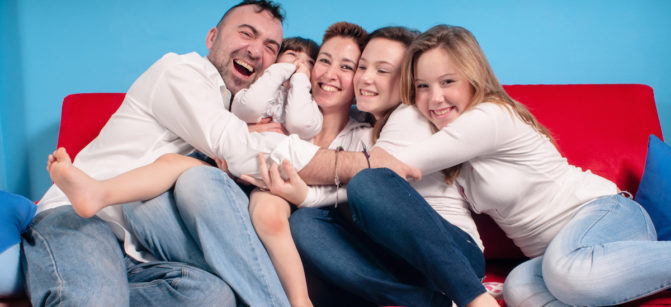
(199, 177)
(362, 181)
(571, 283)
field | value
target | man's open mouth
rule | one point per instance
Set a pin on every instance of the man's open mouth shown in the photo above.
(243, 67)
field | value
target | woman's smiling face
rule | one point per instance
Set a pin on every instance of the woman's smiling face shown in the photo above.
(333, 72)
(377, 78)
(442, 92)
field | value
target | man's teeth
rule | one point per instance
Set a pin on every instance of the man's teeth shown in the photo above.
(328, 88)
(367, 93)
(245, 65)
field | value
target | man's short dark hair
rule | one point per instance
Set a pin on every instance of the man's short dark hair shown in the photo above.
(262, 5)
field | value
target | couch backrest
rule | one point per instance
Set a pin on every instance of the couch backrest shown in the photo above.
(82, 117)
(601, 127)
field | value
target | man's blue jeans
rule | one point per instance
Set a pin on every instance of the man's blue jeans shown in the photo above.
(398, 250)
(72, 261)
(205, 222)
(201, 232)
(607, 254)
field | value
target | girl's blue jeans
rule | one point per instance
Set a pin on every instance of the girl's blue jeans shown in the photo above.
(607, 254)
(396, 251)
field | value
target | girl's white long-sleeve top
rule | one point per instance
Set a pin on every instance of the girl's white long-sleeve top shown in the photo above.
(511, 172)
(293, 107)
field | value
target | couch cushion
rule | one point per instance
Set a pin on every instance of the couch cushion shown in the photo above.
(16, 212)
(654, 193)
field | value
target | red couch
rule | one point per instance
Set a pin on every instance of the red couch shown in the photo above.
(603, 128)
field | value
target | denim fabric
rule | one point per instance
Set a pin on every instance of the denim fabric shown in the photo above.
(398, 249)
(72, 261)
(205, 222)
(607, 254)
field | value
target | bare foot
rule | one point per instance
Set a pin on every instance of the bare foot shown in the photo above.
(84, 192)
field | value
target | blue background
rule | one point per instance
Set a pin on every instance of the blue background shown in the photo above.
(49, 49)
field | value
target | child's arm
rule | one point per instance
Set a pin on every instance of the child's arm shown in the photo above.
(302, 115)
(252, 104)
(88, 195)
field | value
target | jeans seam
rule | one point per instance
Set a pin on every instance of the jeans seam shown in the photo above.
(588, 229)
(59, 291)
(227, 182)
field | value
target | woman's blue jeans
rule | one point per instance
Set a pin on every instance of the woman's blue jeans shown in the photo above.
(607, 254)
(397, 251)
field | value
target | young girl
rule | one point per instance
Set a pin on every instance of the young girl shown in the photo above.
(283, 91)
(589, 244)
(333, 91)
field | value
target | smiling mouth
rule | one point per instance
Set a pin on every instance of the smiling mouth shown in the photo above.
(243, 67)
(442, 112)
(367, 93)
(328, 88)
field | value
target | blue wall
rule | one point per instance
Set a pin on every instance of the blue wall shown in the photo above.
(50, 49)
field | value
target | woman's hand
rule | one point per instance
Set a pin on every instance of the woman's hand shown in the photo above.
(293, 189)
(381, 158)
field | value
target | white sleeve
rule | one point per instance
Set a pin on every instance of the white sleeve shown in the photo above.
(473, 134)
(302, 115)
(188, 103)
(252, 104)
(323, 195)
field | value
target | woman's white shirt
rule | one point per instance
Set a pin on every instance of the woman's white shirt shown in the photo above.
(510, 172)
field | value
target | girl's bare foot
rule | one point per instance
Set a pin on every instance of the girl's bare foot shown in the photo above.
(84, 192)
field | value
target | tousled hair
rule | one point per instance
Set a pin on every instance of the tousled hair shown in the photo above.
(300, 44)
(261, 5)
(468, 58)
(348, 30)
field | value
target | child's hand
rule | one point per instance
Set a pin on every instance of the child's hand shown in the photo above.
(302, 68)
(293, 188)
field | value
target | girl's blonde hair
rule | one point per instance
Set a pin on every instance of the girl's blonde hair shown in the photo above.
(468, 58)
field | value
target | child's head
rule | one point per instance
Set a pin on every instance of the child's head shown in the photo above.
(298, 48)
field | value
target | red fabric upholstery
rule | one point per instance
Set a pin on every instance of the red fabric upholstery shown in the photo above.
(603, 128)
(82, 117)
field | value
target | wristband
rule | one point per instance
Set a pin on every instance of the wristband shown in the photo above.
(365, 153)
